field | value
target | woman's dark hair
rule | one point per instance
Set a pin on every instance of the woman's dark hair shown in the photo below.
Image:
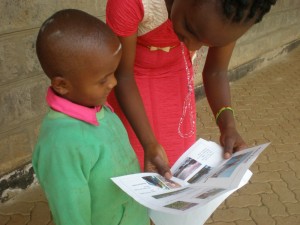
(236, 9)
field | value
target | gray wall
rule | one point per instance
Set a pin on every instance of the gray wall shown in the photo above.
(275, 36)
(22, 82)
(23, 85)
(278, 29)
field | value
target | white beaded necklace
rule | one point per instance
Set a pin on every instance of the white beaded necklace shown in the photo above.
(187, 105)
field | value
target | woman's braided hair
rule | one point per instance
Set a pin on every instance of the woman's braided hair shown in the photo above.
(236, 9)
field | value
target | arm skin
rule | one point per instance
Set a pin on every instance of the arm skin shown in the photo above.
(131, 103)
(217, 90)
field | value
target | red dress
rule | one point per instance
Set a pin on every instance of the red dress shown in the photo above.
(164, 79)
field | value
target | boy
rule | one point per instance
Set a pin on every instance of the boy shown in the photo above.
(82, 143)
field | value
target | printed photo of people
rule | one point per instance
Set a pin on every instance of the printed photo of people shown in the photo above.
(210, 193)
(170, 193)
(186, 168)
(228, 168)
(161, 182)
(181, 205)
(200, 174)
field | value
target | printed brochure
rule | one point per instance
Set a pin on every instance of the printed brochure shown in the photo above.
(202, 180)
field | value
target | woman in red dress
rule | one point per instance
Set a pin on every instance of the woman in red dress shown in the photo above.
(155, 77)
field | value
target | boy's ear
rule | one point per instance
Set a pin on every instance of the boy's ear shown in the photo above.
(60, 85)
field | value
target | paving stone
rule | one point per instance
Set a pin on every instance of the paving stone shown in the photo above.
(290, 178)
(262, 159)
(289, 220)
(256, 188)
(281, 189)
(295, 166)
(231, 214)
(276, 157)
(19, 220)
(297, 154)
(223, 223)
(293, 208)
(245, 222)
(297, 194)
(261, 216)
(289, 138)
(40, 214)
(23, 208)
(243, 201)
(4, 219)
(274, 205)
(274, 166)
(265, 177)
(284, 148)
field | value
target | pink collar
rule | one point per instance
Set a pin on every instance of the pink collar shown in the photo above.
(71, 109)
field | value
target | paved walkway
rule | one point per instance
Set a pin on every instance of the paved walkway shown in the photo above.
(267, 104)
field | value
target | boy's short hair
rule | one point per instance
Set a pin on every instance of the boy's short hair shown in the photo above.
(65, 35)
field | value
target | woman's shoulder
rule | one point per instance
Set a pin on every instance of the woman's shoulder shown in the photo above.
(128, 16)
(124, 16)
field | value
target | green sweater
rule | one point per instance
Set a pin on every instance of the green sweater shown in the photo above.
(74, 162)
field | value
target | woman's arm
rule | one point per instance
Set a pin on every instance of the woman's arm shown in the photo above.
(131, 103)
(217, 90)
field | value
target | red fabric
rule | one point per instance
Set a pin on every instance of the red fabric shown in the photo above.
(162, 81)
(123, 16)
(160, 37)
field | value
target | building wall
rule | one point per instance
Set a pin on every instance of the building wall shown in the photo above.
(267, 39)
(275, 36)
(23, 84)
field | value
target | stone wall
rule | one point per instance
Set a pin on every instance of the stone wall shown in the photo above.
(278, 33)
(23, 84)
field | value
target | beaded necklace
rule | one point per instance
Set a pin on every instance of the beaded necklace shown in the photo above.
(187, 109)
(187, 104)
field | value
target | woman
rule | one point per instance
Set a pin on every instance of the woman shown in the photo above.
(155, 76)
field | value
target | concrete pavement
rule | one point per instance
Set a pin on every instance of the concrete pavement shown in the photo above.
(267, 104)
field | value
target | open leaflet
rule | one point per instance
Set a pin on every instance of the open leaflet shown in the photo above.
(202, 180)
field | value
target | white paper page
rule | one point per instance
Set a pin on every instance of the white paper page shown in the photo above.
(152, 190)
(198, 161)
(230, 172)
(198, 216)
(175, 197)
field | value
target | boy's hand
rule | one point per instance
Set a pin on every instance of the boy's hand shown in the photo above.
(232, 142)
(156, 160)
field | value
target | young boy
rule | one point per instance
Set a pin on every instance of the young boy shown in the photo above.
(82, 143)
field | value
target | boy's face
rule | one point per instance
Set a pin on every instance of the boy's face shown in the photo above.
(204, 24)
(94, 78)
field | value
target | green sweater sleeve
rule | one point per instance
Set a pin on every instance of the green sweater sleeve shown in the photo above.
(62, 166)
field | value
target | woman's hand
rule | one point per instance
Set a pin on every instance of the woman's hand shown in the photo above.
(231, 140)
(156, 160)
